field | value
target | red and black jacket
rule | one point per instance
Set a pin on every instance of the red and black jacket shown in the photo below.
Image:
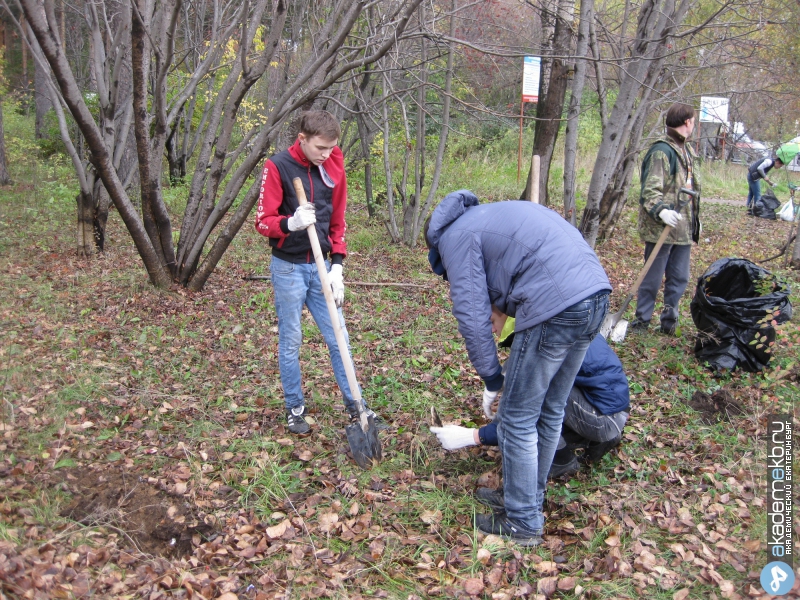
(325, 187)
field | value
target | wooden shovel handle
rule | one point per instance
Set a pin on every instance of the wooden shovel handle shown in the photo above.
(334, 314)
(661, 239)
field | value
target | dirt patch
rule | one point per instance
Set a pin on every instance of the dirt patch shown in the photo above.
(150, 519)
(719, 406)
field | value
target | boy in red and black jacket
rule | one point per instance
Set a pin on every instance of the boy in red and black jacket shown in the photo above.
(317, 160)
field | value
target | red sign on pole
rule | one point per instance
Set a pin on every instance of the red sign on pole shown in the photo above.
(531, 73)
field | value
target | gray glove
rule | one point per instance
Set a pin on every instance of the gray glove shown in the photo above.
(670, 217)
(303, 217)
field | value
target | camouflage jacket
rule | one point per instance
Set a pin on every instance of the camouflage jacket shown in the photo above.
(660, 191)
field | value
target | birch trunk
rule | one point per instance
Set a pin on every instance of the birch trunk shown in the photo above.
(573, 116)
(5, 178)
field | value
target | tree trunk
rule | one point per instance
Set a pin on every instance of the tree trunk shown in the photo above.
(5, 178)
(85, 241)
(391, 222)
(571, 141)
(421, 212)
(150, 148)
(616, 194)
(102, 202)
(409, 214)
(795, 262)
(550, 108)
(365, 136)
(42, 98)
(175, 160)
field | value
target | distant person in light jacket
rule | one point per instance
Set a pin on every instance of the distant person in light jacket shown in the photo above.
(529, 263)
(755, 173)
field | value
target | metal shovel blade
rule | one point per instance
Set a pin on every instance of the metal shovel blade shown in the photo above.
(619, 331)
(614, 327)
(364, 444)
(610, 322)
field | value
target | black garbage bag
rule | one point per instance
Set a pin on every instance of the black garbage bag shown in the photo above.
(735, 301)
(766, 206)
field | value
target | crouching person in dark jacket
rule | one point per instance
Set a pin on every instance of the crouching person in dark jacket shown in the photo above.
(531, 264)
(597, 409)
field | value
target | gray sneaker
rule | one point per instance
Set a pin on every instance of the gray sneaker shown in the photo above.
(296, 420)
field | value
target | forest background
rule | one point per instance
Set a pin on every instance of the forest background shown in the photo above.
(143, 447)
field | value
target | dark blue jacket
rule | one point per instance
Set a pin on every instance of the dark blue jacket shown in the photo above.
(519, 256)
(602, 379)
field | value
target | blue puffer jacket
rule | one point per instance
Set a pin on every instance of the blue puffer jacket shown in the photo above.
(602, 379)
(519, 256)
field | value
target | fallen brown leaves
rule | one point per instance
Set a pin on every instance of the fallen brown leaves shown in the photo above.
(153, 422)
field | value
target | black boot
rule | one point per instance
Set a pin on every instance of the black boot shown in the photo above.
(573, 439)
(595, 451)
(565, 463)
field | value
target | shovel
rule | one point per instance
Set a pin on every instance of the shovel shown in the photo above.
(362, 436)
(614, 327)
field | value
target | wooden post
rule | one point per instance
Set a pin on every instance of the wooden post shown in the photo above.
(533, 193)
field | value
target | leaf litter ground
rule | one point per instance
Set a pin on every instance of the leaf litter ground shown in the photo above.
(145, 454)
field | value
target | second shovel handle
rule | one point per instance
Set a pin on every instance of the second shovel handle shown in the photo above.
(661, 239)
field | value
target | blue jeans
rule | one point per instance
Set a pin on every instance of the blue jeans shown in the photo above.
(754, 195)
(539, 376)
(293, 286)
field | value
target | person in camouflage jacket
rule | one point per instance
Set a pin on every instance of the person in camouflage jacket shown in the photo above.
(667, 167)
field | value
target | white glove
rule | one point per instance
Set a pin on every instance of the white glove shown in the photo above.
(488, 399)
(670, 217)
(303, 217)
(453, 437)
(336, 278)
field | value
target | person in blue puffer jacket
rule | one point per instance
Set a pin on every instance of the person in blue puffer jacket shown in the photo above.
(531, 264)
(597, 409)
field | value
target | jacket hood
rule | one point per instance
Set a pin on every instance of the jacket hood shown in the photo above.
(451, 208)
